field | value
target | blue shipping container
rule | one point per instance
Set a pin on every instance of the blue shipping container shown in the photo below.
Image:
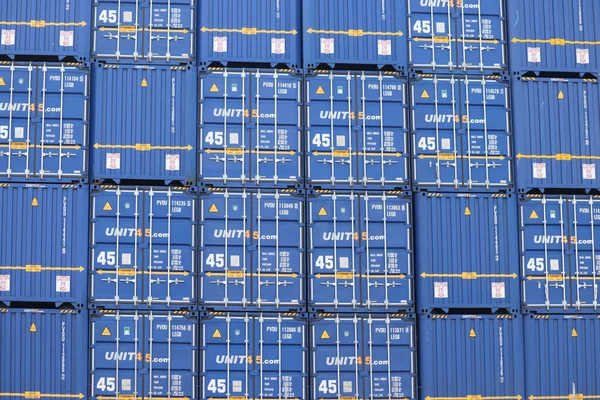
(466, 251)
(44, 119)
(462, 36)
(560, 253)
(546, 157)
(361, 255)
(42, 243)
(357, 130)
(343, 33)
(554, 35)
(144, 123)
(363, 356)
(471, 356)
(143, 249)
(562, 356)
(161, 31)
(250, 32)
(252, 250)
(43, 354)
(250, 128)
(50, 28)
(254, 356)
(461, 133)
(143, 354)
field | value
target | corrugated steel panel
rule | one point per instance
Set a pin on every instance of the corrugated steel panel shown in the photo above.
(143, 249)
(252, 250)
(43, 354)
(474, 356)
(461, 132)
(56, 28)
(357, 131)
(254, 356)
(143, 355)
(466, 251)
(562, 356)
(250, 128)
(144, 123)
(554, 35)
(361, 252)
(560, 253)
(544, 110)
(344, 33)
(44, 119)
(42, 243)
(463, 36)
(250, 32)
(162, 31)
(363, 356)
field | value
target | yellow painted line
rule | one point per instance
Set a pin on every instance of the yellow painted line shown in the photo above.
(131, 397)
(445, 39)
(556, 42)
(236, 151)
(469, 275)
(21, 145)
(133, 29)
(141, 147)
(349, 275)
(559, 157)
(476, 397)
(571, 397)
(449, 156)
(131, 272)
(559, 277)
(38, 395)
(354, 32)
(38, 268)
(249, 31)
(240, 274)
(347, 153)
(42, 24)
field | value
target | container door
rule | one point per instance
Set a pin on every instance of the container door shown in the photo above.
(169, 30)
(118, 29)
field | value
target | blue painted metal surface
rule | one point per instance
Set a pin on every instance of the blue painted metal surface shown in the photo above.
(343, 33)
(247, 32)
(471, 355)
(554, 35)
(42, 243)
(143, 248)
(43, 353)
(562, 356)
(252, 250)
(546, 157)
(143, 354)
(357, 131)
(144, 123)
(467, 36)
(363, 356)
(44, 115)
(250, 128)
(360, 252)
(160, 31)
(59, 29)
(254, 356)
(560, 253)
(466, 251)
(461, 133)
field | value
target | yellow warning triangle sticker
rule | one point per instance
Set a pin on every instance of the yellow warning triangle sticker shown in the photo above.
(472, 333)
(106, 331)
(574, 333)
(320, 90)
(214, 88)
(33, 328)
(533, 215)
(2, 83)
(325, 335)
(213, 208)
(144, 83)
(467, 211)
(561, 95)
(34, 202)
(322, 212)
(424, 95)
(107, 207)
(217, 334)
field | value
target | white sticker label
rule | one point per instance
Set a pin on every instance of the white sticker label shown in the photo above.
(126, 259)
(234, 138)
(220, 44)
(440, 27)
(4, 283)
(554, 265)
(278, 46)
(327, 46)
(172, 162)
(125, 385)
(347, 387)
(583, 56)
(384, 47)
(498, 290)
(19, 132)
(127, 16)
(539, 170)
(534, 55)
(344, 263)
(236, 386)
(63, 284)
(446, 144)
(113, 161)
(234, 261)
(340, 141)
(66, 39)
(589, 171)
(8, 37)
(440, 290)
